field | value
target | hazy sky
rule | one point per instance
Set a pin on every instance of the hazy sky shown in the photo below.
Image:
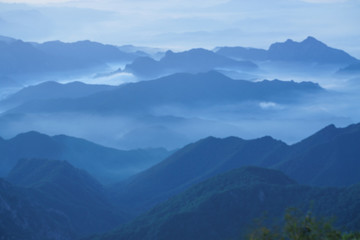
(181, 24)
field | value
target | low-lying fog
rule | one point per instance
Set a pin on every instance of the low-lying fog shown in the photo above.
(172, 127)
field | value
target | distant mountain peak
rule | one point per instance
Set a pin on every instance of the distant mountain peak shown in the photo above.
(200, 50)
(311, 40)
(212, 139)
(31, 134)
(289, 41)
(309, 50)
(327, 131)
(212, 73)
(267, 138)
(308, 40)
(169, 52)
(294, 44)
(329, 127)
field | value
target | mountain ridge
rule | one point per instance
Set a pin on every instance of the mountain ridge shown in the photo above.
(313, 161)
(107, 164)
(23, 218)
(52, 90)
(183, 89)
(205, 60)
(308, 50)
(70, 191)
(192, 164)
(23, 58)
(224, 206)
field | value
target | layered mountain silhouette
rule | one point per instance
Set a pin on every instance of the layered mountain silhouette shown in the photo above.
(205, 183)
(18, 57)
(192, 61)
(209, 189)
(190, 165)
(23, 217)
(327, 158)
(223, 207)
(60, 187)
(309, 50)
(53, 90)
(106, 164)
(188, 90)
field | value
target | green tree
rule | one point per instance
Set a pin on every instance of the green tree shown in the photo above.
(300, 227)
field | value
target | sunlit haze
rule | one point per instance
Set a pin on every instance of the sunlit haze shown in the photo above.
(184, 24)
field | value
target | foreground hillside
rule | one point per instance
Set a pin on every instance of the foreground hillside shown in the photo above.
(223, 207)
(204, 191)
(329, 157)
(21, 218)
(71, 192)
(50, 199)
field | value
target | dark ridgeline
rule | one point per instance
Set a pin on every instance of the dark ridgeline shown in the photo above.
(106, 164)
(225, 206)
(330, 157)
(68, 193)
(190, 165)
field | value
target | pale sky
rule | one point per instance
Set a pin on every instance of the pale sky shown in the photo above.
(182, 24)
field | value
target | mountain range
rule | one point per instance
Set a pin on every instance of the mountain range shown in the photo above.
(194, 193)
(66, 188)
(183, 89)
(309, 50)
(165, 112)
(21, 218)
(61, 189)
(29, 60)
(53, 90)
(224, 206)
(106, 164)
(24, 58)
(327, 158)
(191, 61)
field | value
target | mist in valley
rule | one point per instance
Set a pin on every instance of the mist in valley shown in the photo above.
(173, 126)
(160, 120)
